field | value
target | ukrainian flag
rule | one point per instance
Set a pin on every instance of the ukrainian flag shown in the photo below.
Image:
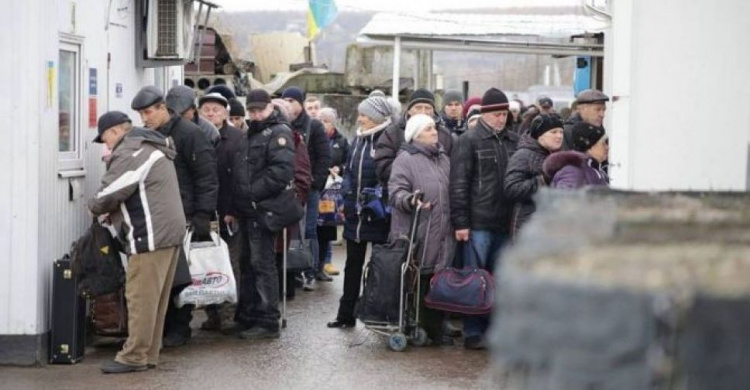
(319, 16)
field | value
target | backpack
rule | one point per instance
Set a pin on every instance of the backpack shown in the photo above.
(95, 260)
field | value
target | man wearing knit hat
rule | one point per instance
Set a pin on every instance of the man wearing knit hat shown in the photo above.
(181, 100)
(314, 134)
(452, 107)
(421, 101)
(237, 115)
(479, 211)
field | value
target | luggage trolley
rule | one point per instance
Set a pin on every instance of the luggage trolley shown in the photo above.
(407, 328)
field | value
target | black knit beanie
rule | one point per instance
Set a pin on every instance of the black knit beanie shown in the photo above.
(544, 123)
(421, 96)
(494, 100)
(585, 136)
(236, 108)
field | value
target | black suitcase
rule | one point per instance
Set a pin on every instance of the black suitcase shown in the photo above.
(68, 333)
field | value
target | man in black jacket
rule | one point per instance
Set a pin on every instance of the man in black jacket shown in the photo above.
(199, 186)
(263, 169)
(214, 107)
(590, 108)
(313, 132)
(453, 101)
(421, 101)
(479, 211)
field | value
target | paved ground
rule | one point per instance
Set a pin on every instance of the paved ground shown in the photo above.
(308, 356)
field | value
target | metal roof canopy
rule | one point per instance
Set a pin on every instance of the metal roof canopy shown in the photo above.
(506, 33)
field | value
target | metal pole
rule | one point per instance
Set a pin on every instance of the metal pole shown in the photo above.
(396, 66)
(200, 42)
(196, 32)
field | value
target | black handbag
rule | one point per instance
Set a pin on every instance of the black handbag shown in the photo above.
(277, 213)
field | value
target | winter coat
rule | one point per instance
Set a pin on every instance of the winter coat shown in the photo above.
(572, 170)
(314, 134)
(209, 130)
(390, 143)
(477, 187)
(140, 191)
(358, 175)
(228, 145)
(426, 169)
(302, 169)
(339, 151)
(195, 164)
(568, 131)
(524, 178)
(264, 164)
(452, 125)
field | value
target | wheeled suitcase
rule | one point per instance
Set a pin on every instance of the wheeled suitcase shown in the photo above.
(68, 333)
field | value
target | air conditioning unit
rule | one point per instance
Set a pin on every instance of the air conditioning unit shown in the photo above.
(165, 31)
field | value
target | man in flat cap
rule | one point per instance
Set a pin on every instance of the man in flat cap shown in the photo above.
(146, 211)
(214, 107)
(181, 99)
(590, 108)
(199, 187)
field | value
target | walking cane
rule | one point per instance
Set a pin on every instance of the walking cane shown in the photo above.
(283, 270)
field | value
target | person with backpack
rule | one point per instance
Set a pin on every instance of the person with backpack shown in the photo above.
(362, 226)
(424, 167)
(147, 212)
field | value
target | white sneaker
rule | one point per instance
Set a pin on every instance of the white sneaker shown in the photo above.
(308, 284)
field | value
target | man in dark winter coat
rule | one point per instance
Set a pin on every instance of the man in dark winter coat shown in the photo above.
(480, 211)
(590, 108)
(421, 101)
(313, 133)
(214, 107)
(199, 187)
(451, 114)
(263, 170)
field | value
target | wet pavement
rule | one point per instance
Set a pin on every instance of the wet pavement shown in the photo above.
(307, 356)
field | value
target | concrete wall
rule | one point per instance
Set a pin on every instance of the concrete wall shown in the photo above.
(680, 82)
(42, 212)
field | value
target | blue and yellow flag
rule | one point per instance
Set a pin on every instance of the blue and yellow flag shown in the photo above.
(320, 14)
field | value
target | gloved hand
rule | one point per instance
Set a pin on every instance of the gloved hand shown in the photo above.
(201, 227)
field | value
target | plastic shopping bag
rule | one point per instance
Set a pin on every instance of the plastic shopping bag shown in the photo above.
(211, 271)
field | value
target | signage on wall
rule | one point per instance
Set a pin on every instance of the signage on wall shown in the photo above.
(92, 97)
(118, 90)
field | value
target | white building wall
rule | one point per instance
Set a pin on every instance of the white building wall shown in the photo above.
(679, 78)
(38, 219)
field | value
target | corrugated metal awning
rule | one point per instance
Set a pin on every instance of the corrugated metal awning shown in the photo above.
(440, 25)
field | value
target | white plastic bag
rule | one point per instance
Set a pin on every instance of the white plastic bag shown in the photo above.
(211, 271)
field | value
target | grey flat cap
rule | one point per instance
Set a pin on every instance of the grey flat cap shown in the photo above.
(591, 96)
(180, 98)
(213, 97)
(147, 97)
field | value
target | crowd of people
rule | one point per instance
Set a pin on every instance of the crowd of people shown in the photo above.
(476, 162)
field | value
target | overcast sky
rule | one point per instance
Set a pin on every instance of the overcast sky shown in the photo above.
(389, 5)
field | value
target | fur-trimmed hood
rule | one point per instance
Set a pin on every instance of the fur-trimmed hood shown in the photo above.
(557, 161)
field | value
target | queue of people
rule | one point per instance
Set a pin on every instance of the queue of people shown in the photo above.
(476, 162)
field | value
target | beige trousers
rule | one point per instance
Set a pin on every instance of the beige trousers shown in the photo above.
(147, 286)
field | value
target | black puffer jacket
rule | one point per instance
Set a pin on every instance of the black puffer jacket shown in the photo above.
(317, 147)
(390, 143)
(339, 151)
(478, 164)
(524, 178)
(195, 164)
(264, 164)
(230, 139)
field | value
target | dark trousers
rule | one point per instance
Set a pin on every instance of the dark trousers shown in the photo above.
(355, 260)
(259, 287)
(323, 247)
(429, 319)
